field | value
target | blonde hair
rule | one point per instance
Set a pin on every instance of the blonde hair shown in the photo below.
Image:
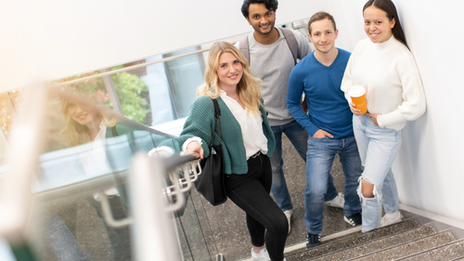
(248, 88)
(73, 132)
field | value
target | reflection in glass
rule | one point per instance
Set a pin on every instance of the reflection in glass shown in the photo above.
(88, 150)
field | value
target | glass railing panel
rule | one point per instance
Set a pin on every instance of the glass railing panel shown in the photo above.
(160, 92)
(88, 151)
(196, 235)
(133, 94)
(185, 75)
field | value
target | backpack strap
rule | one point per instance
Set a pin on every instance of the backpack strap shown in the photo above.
(289, 37)
(291, 41)
(244, 48)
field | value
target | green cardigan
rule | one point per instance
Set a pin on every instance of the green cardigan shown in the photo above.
(200, 123)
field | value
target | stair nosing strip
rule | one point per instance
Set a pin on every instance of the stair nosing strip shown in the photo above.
(299, 246)
(323, 239)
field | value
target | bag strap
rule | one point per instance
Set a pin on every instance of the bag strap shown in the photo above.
(217, 119)
(114, 131)
(291, 42)
(289, 37)
(244, 48)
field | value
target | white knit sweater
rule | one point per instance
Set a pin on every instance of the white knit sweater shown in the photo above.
(390, 76)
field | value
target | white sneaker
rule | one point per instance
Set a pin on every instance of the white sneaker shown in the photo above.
(288, 214)
(262, 256)
(391, 218)
(337, 202)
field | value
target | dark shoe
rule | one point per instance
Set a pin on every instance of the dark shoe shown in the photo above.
(354, 220)
(313, 240)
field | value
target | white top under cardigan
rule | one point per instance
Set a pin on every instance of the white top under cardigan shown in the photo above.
(251, 126)
(391, 78)
(94, 161)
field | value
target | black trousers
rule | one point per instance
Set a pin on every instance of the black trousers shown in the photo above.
(265, 220)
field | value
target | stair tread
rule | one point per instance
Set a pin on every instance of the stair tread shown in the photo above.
(449, 251)
(381, 243)
(411, 247)
(352, 240)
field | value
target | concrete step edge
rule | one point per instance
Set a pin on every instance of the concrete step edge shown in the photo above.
(330, 255)
(396, 246)
(435, 248)
(340, 237)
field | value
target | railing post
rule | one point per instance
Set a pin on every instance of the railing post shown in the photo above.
(153, 228)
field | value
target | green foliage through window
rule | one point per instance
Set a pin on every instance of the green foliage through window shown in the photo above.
(131, 90)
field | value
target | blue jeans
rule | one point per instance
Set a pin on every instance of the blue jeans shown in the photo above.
(265, 220)
(320, 157)
(378, 148)
(298, 136)
(62, 242)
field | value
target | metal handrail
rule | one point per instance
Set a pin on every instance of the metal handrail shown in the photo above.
(167, 59)
(174, 193)
(181, 185)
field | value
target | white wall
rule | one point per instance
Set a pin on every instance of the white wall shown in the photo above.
(429, 168)
(52, 39)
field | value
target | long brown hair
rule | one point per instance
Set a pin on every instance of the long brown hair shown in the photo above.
(248, 87)
(389, 7)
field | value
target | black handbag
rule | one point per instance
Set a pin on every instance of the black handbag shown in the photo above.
(211, 181)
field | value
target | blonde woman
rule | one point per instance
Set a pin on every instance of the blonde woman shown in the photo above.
(247, 143)
(83, 122)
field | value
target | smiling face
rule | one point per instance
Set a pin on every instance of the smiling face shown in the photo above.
(229, 71)
(261, 19)
(377, 25)
(323, 35)
(81, 114)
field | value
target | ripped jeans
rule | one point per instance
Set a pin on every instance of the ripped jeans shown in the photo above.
(378, 148)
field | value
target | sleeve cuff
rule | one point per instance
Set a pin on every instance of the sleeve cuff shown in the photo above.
(391, 118)
(189, 140)
(162, 152)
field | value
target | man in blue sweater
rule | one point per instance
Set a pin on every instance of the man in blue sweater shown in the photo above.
(328, 122)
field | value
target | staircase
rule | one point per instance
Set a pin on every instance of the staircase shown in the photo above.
(415, 238)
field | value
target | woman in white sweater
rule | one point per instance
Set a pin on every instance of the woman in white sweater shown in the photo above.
(386, 69)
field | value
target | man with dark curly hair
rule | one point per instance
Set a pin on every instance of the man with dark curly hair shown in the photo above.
(271, 55)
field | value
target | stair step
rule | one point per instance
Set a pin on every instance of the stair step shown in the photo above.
(449, 251)
(411, 247)
(352, 240)
(381, 243)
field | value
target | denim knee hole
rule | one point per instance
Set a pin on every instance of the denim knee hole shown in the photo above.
(374, 192)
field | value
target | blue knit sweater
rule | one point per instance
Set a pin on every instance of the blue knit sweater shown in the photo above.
(328, 109)
(200, 123)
